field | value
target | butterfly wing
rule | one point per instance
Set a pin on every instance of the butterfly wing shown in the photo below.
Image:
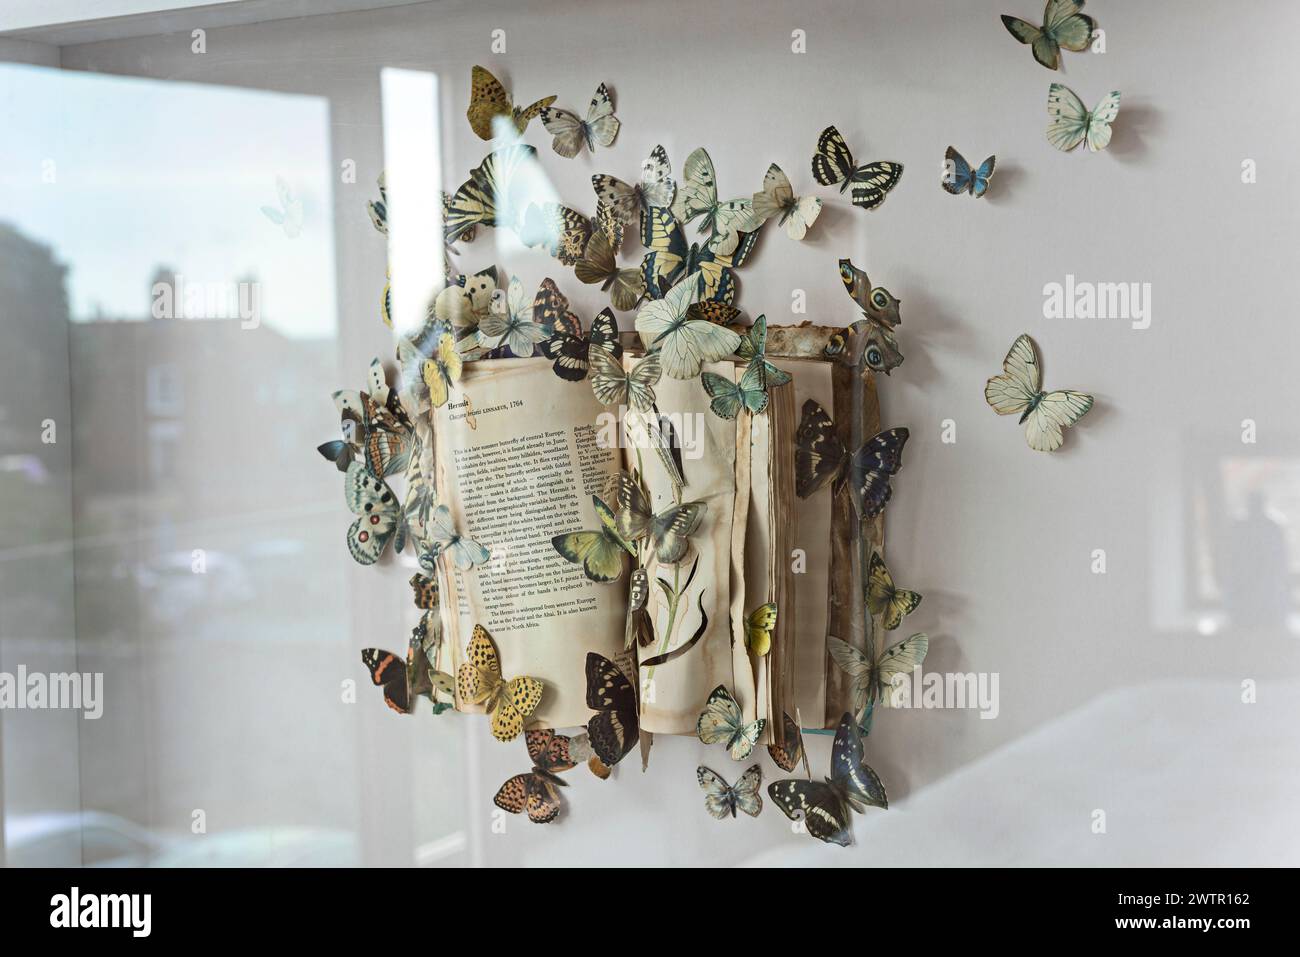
(487, 100)
(601, 126)
(721, 718)
(624, 201)
(746, 791)
(1069, 28)
(1069, 122)
(899, 659)
(698, 193)
(1042, 43)
(479, 677)
(854, 664)
(873, 465)
(819, 454)
(634, 516)
(788, 755)
(980, 181)
(671, 530)
(658, 188)
(518, 701)
(1100, 119)
(884, 599)
(1021, 380)
(465, 553)
(388, 671)
(567, 128)
(759, 626)
(1053, 413)
(684, 345)
(832, 162)
(732, 222)
(379, 514)
(801, 217)
(725, 396)
(825, 814)
(613, 730)
(872, 182)
(744, 739)
(957, 178)
(718, 798)
(849, 770)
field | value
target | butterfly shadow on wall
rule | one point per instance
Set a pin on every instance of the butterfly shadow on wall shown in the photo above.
(928, 329)
(1002, 192)
(1138, 121)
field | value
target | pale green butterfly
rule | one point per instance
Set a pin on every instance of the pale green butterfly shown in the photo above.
(698, 196)
(753, 347)
(1072, 123)
(871, 678)
(683, 344)
(600, 553)
(729, 397)
(511, 323)
(723, 721)
(1019, 389)
(1063, 26)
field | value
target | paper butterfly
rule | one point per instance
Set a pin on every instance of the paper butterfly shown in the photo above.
(639, 628)
(289, 215)
(490, 196)
(600, 553)
(380, 518)
(1063, 26)
(430, 378)
(536, 792)
(614, 385)
(777, 198)
(464, 552)
(721, 313)
(572, 351)
(872, 678)
(514, 327)
(389, 672)
(721, 799)
(959, 178)
(489, 100)
(598, 265)
(833, 163)
(821, 457)
(613, 729)
(894, 604)
(665, 260)
(729, 396)
(570, 132)
(825, 806)
(338, 451)
(562, 231)
(698, 196)
(629, 203)
(684, 344)
(879, 348)
(669, 531)
(787, 756)
(1020, 389)
(753, 349)
(1072, 123)
(722, 721)
(425, 589)
(759, 626)
(716, 267)
(378, 208)
(479, 681)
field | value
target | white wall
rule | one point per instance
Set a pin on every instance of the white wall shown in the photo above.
(1106, 674)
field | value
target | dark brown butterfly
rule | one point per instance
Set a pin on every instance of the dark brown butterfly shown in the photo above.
(788, 755)
(871, 338)
(537, 791)
(571, 349)
(825, 806)
(820, 457)
(426, 591)
(613, 730)
(389, 672)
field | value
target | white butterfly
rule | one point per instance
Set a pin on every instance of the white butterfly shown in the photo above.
(379, 515)
(1072, 123)
(1019, 389)
(777, 198)
(683, 344)
(570, 132)
(871, 679)
(614, 385)
(698, 196)
(656, 188)
(289, 215)
(464, 552)
(513, 325)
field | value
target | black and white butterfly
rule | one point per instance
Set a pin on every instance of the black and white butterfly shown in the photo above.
(613, 729)
(833, 164)
(628, 203)
(826, 807)
(571, 350)
(721, 798)
(571, 131)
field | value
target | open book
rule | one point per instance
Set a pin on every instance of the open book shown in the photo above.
(519, 455)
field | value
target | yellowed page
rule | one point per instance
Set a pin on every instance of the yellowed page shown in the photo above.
(517, 471)
(673, 693)
(812, 380)
(758, 557)
(743, 686)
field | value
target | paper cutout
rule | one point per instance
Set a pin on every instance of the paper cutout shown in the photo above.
(571, 350)
(697, 196)
(723, 722)
(380, 518)
(821, 457)
(537, 791)
(613, 729)
(759, 625)
(426, 591)
(892, 604)
(600, 553)
(571, 132)
(463, 552)
(871, 677)
(1020, 389)
(1063, 26)
(614, 385)
(878, 348)
(833, 164)
(479, 681)
(388, 672)
(1072, 123)
(777, 198)
(668, 531)
(789, 755)
(721, 799)
(489, 100)
(959, 178)
(683, 344)
(629, 203)
(825, 806)
(598, 265)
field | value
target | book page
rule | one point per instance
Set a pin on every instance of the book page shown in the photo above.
(673, 693)
(516, 467)
(810, 588)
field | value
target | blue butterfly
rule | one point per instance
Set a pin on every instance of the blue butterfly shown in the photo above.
(958, 177)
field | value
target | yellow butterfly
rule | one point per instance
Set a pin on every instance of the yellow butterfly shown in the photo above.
(884, 599)
(479, 681)
(759, 627)
(431, 378)
(488, 99)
